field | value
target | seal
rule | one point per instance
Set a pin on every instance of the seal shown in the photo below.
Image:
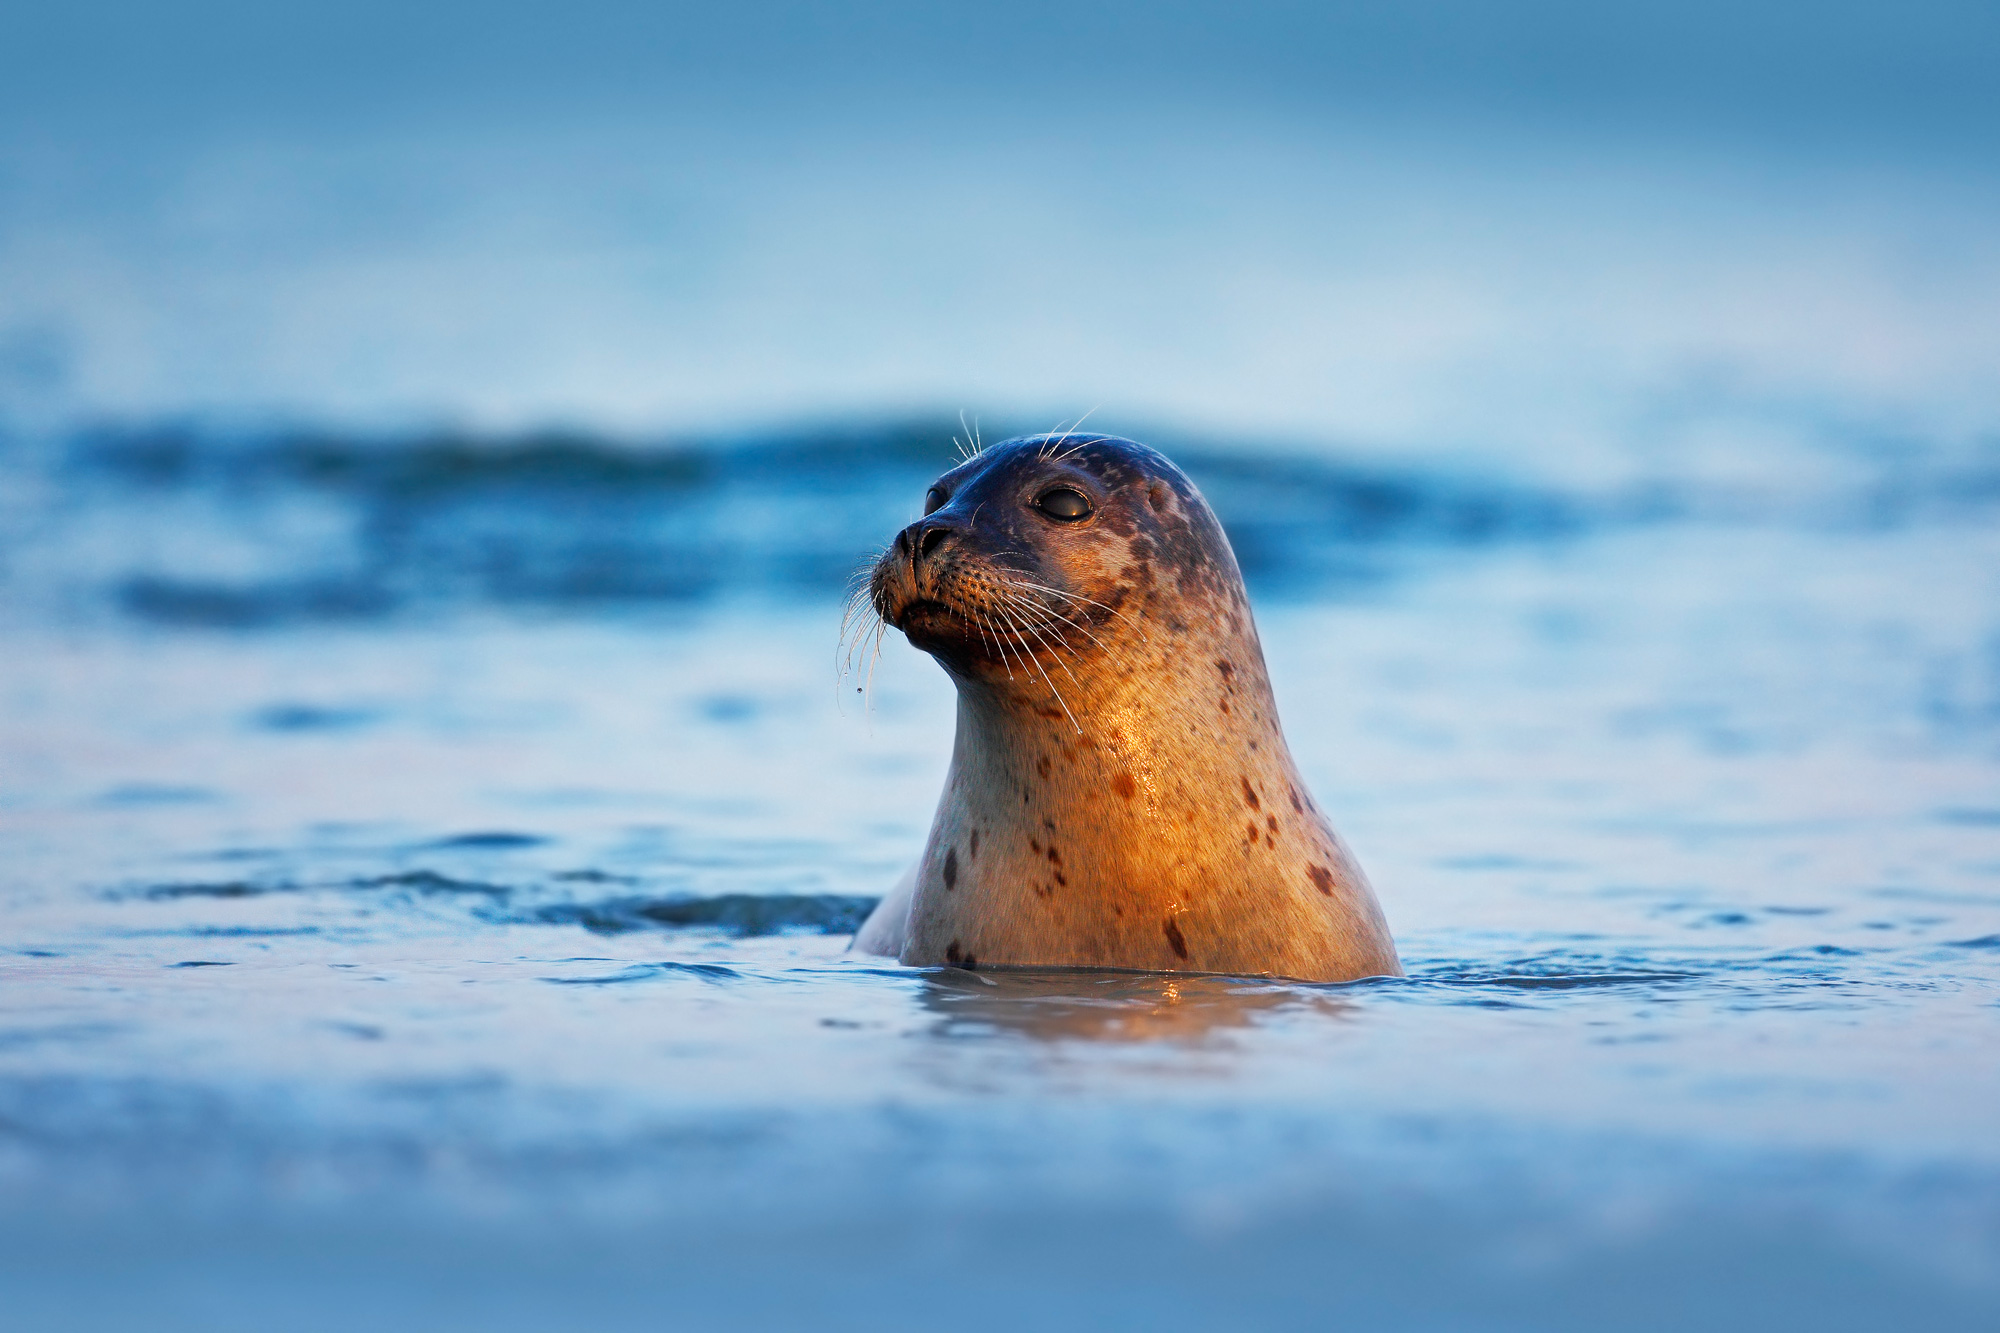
(1120, 793)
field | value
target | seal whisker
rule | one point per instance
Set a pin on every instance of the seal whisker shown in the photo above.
(1046, 622)
(865, 639)
(1060, 702)
(857, 616)
(862, 628)
(1109, 651)
(1024, 582)
(999, 642)
(1019, 593)
(1041, 630)
(972, 444)
(1110, 654)
(984, 637)
(867, 642)
(868, 685)
(1050, 682)
(860, 591)
(1047, 451)
(1038, 621)
(1031, 585)
(1057, 458)
(1019, 650)
(843, 654)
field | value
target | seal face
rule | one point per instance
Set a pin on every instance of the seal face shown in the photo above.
(1120, 793)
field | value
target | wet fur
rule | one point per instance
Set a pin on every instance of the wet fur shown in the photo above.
(1120, 793)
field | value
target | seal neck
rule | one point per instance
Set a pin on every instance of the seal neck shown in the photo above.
(1159, 706)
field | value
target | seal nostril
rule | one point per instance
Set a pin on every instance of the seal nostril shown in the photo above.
(921, 540)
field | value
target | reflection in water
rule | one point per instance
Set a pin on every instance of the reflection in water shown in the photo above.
(1078, 1004)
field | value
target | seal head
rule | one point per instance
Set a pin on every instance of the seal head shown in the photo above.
(1120, 793)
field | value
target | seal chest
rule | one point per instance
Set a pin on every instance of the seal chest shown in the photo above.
(1120, 793)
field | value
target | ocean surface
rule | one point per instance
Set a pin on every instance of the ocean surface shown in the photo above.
(430, 860)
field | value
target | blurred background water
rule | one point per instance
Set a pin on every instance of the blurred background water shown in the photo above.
(433, 444)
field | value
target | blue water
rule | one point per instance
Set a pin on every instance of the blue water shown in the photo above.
(429, 863)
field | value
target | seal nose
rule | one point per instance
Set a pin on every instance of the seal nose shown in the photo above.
(922, 539)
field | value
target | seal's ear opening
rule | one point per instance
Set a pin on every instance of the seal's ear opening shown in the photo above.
(1156, 496)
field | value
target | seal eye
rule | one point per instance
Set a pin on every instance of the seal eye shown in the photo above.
(934, 498)
(1064, 503)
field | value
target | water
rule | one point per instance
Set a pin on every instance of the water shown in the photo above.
(429, 864)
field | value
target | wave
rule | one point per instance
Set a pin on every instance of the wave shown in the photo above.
(739, 914)
(177, 525)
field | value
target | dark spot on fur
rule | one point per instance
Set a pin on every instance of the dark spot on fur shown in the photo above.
(1250, 794)
(1060, 880)
(1054, 859)
(971, 964)
(951, 868)
(1036, 846)
(1122, 784)
(1271, 823)
(1227, 669)
(1043, 767)
(1296, 807)
(1321, 878)
(951, 953)
(975, 844)
(1175, 938)
(1250, 835)
(1225, 705)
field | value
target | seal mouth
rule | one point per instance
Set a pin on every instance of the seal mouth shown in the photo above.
(927, 620)
(934, 625)
(919, 607)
